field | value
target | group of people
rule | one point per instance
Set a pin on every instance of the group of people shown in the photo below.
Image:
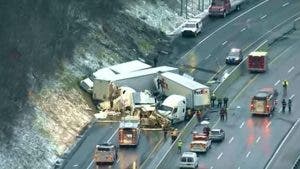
(221, 102)
(285, 84)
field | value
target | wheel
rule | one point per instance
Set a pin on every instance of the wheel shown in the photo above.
(238, 7)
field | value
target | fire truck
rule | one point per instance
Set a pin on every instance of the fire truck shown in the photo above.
(129, 131)
(264, 101)
(257, 62)
(200, 142)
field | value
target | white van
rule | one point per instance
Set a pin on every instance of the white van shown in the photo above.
(188, 160)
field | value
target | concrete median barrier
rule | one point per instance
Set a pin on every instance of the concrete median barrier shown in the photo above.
(297, 23)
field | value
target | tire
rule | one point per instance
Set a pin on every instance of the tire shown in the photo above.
(238, 7)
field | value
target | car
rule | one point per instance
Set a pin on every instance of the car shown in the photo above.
(234, 57)
(105, 153)
(188, 160)
(217, 135)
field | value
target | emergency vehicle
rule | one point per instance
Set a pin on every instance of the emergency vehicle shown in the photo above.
(105, 153)
(200, 142)
(264, 101)
(129, 131)
(257, 62)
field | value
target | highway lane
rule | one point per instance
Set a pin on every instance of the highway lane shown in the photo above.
(98, 133)
(250, 141)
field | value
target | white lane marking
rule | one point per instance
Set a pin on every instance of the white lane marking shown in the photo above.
(285, 4)
(257, 140)
(291, 69)
(263, 16)
(211, 167)
(112, 136)
(242, 125)
(208, 56)
(220, 156)
(276, 152)
(224, 43)
(276, 83)
(260, 45)
(239, 167)
(223, 26)
(248, 154)
(292, 96)
(232, 138)
(107, 141)
(271, 30)
(268, 124)
(243, 29)
(90, 164)
(75, 165)
(118, 160)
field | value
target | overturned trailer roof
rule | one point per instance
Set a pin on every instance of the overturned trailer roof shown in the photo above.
(143, 72)
(109, 72)
(184, 81)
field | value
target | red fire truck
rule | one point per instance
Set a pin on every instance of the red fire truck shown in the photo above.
(257, 62)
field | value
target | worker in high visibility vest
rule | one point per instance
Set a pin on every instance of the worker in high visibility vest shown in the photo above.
(179, 145)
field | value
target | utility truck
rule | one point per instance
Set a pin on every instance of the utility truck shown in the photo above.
(264, 101)
(224, 7)
(129, 131)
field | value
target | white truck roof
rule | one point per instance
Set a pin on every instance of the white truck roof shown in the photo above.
(173, 100)
(129, 66)
(109, 72)
(143, 72)
(259, 54)
(129, 124)
(184, 81)
(104, 73)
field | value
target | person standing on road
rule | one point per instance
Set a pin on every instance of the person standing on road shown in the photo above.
(220, 102)
(179, 146)
(283, 105)
(213, 99)
(225, 112)
(198, 114)
(225, 100)
(174, 135)
(290, 105)
(165, 130)
(155, 60)
(222, 114)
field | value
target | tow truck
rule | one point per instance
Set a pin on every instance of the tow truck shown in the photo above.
(200, 142)
(129, 131)
(264, 101)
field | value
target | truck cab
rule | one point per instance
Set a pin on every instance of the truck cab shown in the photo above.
(257, 62)
(105, 153)
(264, 101)
(200, 142)
(192, 28)
(129, 131)
(223, 7)
(173, 108)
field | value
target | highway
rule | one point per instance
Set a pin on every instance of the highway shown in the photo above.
(244, 29)
(252, 140)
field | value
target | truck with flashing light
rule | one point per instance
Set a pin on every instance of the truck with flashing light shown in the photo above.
(129, 131)
(264, 101)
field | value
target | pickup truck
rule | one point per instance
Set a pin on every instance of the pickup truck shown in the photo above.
(192, 28)
(224, 7)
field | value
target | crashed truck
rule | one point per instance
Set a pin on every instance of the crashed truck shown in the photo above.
(183, 96)
(108, 72)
